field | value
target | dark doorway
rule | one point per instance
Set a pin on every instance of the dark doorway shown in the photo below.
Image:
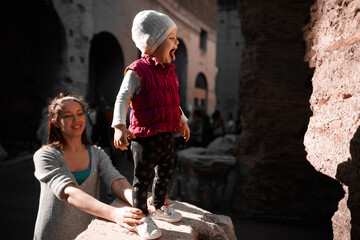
(31, 57)
(105, 77)
(106, 69)
(181, 70)
(200, 92)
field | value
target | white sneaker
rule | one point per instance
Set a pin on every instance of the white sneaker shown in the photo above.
(148, 229)
(167, 214)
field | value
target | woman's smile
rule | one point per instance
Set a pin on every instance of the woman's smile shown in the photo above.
(72, 119)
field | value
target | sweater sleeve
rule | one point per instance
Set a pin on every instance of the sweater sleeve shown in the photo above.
(130, 86)
(107, 170)
(49, 169)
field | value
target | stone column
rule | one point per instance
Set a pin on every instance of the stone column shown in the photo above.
(332, 139)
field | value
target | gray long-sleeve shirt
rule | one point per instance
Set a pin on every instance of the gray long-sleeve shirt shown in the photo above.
(130, 86)
(56, 218)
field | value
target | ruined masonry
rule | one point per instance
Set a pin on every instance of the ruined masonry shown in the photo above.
(332, 139)
(275, 182)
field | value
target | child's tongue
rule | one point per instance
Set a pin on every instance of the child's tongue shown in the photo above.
(172, 55)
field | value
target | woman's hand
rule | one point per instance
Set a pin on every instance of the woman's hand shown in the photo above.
(127, 217)
(121, 136)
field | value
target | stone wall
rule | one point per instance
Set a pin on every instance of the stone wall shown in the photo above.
(230, 40)
(275, 182)
(48, 47)
(84, 20)
(205, 10)
(332, 138)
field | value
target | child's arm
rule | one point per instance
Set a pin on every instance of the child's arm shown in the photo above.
(129, 88)
(184, 128)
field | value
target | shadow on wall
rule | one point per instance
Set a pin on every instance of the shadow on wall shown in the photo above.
(31, 67)
(285, 189)
(348, 173)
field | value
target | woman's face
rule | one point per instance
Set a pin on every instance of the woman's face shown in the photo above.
(71, 119)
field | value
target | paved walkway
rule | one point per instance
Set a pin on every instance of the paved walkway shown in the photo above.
(19, 203)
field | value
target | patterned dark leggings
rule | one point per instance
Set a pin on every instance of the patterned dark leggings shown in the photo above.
(152, 156)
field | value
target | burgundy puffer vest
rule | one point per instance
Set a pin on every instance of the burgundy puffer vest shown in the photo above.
(156, 107)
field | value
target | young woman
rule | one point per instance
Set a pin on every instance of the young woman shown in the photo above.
(69, 170)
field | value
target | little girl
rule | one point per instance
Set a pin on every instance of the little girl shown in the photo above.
(150, 87)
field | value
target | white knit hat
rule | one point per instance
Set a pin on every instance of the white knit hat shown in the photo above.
(149, 30)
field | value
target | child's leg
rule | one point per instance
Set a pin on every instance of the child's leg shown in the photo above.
(164, 169)
(144, 161)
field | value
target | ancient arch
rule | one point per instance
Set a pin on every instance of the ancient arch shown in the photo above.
(181, 62)
(31, 56)
(106, 69)
(200, 91)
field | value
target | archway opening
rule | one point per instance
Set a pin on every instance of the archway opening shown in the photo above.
(181, 62)
(31, 56)
(106, 69)
(106, 72)
(200, 92)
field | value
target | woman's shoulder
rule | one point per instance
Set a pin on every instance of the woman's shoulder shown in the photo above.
(98, 153)
(96, 149)
(47, 152)
(47, 149)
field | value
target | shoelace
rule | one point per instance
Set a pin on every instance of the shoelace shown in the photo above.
(149, 222)
(169, 210)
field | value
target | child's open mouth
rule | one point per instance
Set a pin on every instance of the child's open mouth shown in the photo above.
(172, 54)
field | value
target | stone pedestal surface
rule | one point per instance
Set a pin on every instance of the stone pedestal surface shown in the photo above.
(196, 224)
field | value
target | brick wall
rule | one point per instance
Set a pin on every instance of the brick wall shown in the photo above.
(205, 10)
(275, 182)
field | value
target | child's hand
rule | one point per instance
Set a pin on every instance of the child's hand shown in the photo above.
(185, 131)
(121, 136)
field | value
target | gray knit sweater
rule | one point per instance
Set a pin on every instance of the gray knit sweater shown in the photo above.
(56, 218)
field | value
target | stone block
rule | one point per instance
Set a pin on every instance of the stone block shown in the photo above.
(196, 224)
